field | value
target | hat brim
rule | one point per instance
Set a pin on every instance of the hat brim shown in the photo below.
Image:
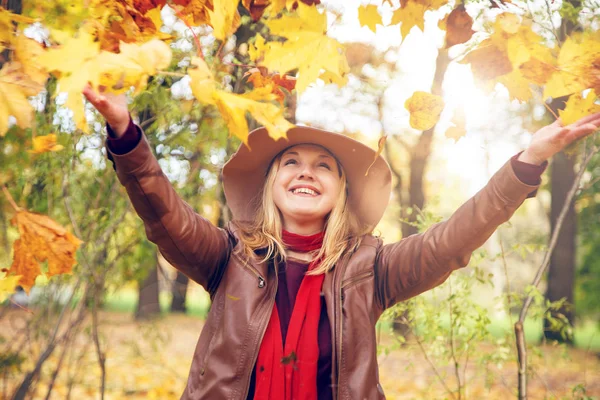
(245, 172)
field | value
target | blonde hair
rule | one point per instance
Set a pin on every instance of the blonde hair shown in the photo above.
(342, 229)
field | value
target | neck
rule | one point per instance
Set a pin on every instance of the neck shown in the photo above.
(306, 229)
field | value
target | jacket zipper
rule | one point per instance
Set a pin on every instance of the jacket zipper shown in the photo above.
(261, 281)
(262, 329)
(356, 279)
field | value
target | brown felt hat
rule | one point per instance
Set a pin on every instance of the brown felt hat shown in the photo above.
(245, 173)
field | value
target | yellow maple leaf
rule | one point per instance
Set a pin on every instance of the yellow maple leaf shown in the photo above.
(257, 49)
(410, 15)
(369, 16)
(7, 27)
(81, 68)
(577, 66)
(133, 65)
(578, 107)
(233, 107)
(26, 51)
(15, 87)
(8, 285)
(425, 110)
(517, 85)
(223, 18)
(307, 49)
(46, 143)
(41, 239)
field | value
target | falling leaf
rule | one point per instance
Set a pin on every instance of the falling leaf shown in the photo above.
(15, 87)
(425, 110)
(380, 145)
(307, 49)
(8, 284)
(578, 107)
(46, 143)
(368, 16)
(459, 125)
(458, 26)
(41, 239)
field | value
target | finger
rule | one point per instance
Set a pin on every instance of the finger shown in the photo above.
(590, 118)
(581, 131)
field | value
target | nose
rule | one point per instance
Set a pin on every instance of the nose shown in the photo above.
(306, 172)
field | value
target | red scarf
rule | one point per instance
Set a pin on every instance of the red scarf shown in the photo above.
(291, 373)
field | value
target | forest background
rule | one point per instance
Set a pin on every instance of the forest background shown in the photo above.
(447, 91)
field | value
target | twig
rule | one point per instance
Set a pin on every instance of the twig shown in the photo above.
(169, 73)
(10, 199)
(196, 40)
(452, 347)
(431, 364)
(519, 331)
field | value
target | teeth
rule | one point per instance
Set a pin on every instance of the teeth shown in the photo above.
(304, 190)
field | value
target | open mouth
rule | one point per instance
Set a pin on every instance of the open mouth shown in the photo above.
(304, 191)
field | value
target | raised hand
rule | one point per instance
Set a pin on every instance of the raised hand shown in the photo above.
(555, 137)
(112, 107)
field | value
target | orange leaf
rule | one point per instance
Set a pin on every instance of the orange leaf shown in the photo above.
(260, 77)
(43, 144)
(42, 239)
(458, 26)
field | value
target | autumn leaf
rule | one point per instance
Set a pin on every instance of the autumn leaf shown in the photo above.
(257, 49)
(578, 107)
(459, 125)
(7, 27)
(46, 143)
(74, 75)
(41, 239)
(578, 66)
(488, 61)
(8, 285)
(369, 16)
(307, 49)
(15, 88)
(27, 50)
(233, 107)
(412, 13)
(256, 7)
(380, 146)
(224, 17)
(425, 110)
(259, 77)
(458, 26)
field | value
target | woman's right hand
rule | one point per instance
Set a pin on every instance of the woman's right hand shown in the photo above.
(112, 107)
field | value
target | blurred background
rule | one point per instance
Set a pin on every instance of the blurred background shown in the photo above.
(125, 323)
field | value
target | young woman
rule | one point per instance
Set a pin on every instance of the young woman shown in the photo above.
(297, 281)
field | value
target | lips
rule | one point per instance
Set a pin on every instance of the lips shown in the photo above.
(306, 190)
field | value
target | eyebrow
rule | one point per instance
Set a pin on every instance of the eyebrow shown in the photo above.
(323, 155)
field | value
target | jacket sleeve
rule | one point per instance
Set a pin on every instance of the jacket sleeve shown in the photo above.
(188, 241)
(423, 261)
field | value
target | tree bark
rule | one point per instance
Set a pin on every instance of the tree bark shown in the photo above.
(561, 273)
(148, 303)
(179, 292)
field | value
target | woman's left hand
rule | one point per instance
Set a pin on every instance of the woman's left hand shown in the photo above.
(554, 137)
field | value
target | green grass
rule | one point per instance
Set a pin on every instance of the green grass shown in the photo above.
(125, 300)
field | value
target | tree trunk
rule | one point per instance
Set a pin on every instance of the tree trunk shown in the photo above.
(148, 303)
(179, 292)
(561, 273)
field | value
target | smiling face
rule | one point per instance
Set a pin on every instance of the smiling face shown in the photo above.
(306, 188)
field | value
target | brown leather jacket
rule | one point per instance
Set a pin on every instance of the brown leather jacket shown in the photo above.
(357, 290)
